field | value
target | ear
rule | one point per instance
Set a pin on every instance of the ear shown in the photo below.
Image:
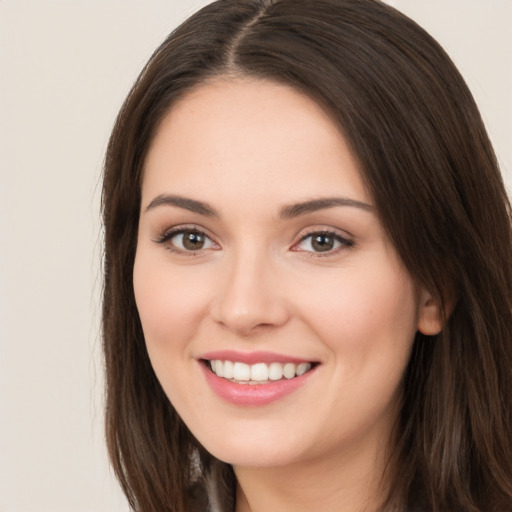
(430, 315)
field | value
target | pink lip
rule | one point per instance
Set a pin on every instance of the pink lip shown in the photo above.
(251, 357)
(248, 395)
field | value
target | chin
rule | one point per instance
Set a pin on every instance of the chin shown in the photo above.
(255, 457)
(255, 452)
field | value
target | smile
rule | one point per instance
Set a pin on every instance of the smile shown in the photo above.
(259, 373)
(254, 379)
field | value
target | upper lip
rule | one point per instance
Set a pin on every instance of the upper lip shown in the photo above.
(252, 357)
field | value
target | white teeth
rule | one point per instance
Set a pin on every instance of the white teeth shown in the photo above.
(303, 368)
(257, 373)
(241, 371)
(219, 368)
(228, 370)
(275, 371)
(289, 370)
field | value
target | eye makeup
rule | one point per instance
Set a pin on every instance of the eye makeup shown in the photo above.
(190, 240)
(186, 240)
(321, 243)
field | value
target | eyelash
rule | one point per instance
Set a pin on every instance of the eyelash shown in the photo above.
(345, 243)
(167, 236)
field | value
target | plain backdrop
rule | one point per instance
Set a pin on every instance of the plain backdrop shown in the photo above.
(65, 68)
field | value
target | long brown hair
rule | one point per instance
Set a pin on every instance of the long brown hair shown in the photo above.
(425, 157)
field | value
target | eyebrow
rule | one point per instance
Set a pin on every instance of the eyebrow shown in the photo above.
(295, 210)
(185, 203)
(286, 212)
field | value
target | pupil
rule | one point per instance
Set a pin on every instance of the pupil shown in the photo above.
(322, 243)
(193, 241)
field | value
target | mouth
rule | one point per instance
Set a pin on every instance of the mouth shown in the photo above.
(250, 379)
(258, 373)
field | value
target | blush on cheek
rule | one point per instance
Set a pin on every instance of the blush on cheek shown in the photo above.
(365, 315)
(169, 309)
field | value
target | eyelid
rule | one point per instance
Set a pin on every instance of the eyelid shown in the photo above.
(342, 237)
(346, 241)
(166, 235)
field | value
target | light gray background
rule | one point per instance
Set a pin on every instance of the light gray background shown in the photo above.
(65, 67)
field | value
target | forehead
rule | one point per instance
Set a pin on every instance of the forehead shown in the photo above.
(250, 136)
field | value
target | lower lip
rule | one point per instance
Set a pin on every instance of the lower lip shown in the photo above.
(249, 395)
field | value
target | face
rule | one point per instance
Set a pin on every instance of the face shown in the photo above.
(260, 255)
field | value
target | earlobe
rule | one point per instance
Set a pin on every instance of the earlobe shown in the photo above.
(431, 317)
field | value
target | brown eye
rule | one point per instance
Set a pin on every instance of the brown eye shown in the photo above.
(322, 243)
(187, 241)
(193, 241)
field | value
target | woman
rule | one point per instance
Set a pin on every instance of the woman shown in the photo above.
(307, 270)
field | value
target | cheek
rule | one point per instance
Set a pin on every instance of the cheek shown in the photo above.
(170, 307)
(364, 314)
(170, 304)
(367, 321)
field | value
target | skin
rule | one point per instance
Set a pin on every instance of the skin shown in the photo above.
(248, 148)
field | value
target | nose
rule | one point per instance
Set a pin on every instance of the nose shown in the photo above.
(250, 298)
